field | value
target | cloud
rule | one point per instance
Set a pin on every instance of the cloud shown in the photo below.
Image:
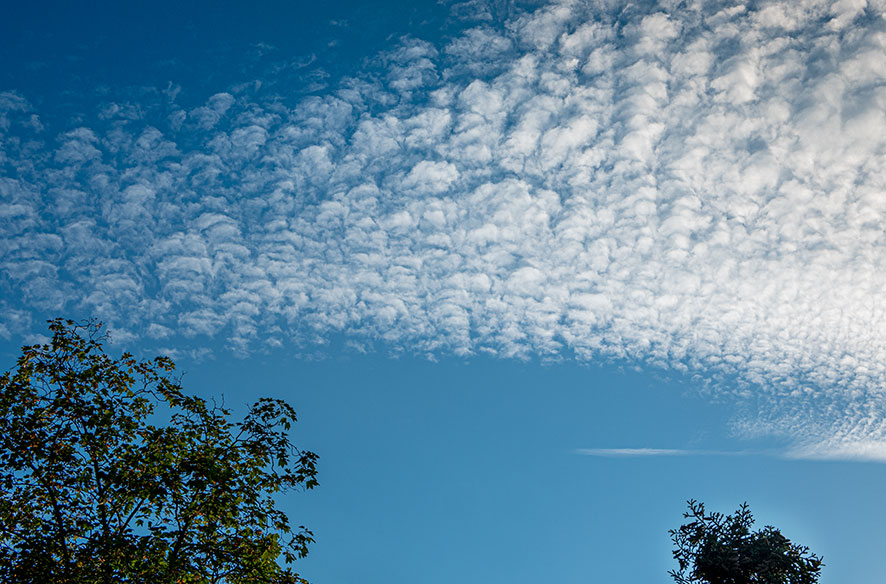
(697, 188)
(633, 452)
(656, 452)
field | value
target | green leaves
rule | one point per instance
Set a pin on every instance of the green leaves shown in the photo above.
(95, 491)
(721, 549)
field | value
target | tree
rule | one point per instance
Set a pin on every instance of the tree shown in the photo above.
(721, 549)
(110, 473)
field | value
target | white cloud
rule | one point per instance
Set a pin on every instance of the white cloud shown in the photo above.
(428, 177)
(645, 452)
(699, 189)
(670, 452)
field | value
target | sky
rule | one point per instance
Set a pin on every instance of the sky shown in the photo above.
(533, 273)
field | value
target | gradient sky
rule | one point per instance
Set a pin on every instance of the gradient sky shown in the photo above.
(533, 273)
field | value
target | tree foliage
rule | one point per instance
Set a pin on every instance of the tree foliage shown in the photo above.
(714, 548)
(110, 473)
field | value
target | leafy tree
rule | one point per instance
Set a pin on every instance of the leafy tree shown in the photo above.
(714, 548)
(110, 473)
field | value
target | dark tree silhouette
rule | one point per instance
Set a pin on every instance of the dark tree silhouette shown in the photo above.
(714, 548)
(110, 473)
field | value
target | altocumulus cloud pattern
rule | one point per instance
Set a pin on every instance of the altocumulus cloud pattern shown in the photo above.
(698, 186)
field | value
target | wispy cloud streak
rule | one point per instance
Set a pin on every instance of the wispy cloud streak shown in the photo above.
(657, 452)
(861, 451)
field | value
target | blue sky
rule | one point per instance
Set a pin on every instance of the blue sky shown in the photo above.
(533, 273)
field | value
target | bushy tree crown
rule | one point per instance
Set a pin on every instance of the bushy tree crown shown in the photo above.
(110, 473)
(713, 548)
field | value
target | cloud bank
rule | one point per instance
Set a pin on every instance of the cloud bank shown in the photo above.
(696, 186)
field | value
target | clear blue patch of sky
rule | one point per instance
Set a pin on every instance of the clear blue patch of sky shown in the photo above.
(56, 52)
(467, 468)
